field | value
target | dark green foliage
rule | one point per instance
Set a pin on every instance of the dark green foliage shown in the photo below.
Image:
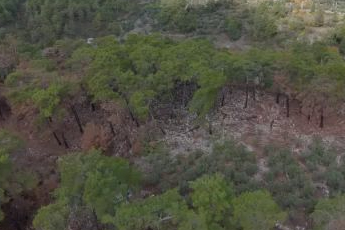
(325, 166)
(318, 155)
(211, 198)
(177, 17)
(51, 19)
(233, 27)
(183, 17)
(263, 25)
(145, 68)
(287, 182)
(13, 181)
(233, 161)
(9, 11)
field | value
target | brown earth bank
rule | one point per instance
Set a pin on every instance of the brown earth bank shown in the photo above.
(261, 121)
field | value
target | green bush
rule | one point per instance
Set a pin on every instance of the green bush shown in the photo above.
(176, 17)
(13, 78)
(233, 27)
(233, 161)
(319, 18)
(263, 24)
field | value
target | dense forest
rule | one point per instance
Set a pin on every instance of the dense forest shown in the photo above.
(172, 114)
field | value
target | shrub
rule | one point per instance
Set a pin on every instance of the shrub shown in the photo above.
(233, 27)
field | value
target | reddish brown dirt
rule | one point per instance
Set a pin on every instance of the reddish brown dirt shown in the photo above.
(42, 150)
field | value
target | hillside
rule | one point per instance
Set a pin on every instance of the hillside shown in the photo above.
(172, 114)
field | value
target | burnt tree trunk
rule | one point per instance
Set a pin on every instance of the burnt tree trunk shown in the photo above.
(64, 140)
(133, 118)
(321, 119)
(278, 98)
(95, 219)
(76, 116)
(131, 113)
(223, 99)
(1, 115)
(129, 142)
(210, 128)
(287, 106)
(162, 130)
(247, 92)
(57, 138)
(112, 129)
(271, 124)
(184, 95)
(254, 93)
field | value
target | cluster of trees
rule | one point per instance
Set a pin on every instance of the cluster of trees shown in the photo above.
(105, 189)
(293, 186)
(46, 21)
(143, 71)
(329, 213)
(211, 205)
(52, 19)
(92, 187)
(13, 181)
(9, 11)
(207, 192)
(233, 161)
(151, 67)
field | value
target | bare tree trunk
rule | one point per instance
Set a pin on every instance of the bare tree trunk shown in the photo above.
(287, 106)
(64, 140)
(210, 128)
(76, 116)
(93, 107)
(321, 119)
(1, 115)
(95, 219)
(56, 138)
(133, 117)
(184, 95)
(271, 124)
(162, 130)
(254, 93)
(223, 99)
(278, 98)
(112, 129)
(129, 142)
(247, 92)
(131, 113)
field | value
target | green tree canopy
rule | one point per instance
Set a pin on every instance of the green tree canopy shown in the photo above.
(212, 198)
(257, 211)
(329, 213)
(89, 180)
(166, 211)
(8, 144)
